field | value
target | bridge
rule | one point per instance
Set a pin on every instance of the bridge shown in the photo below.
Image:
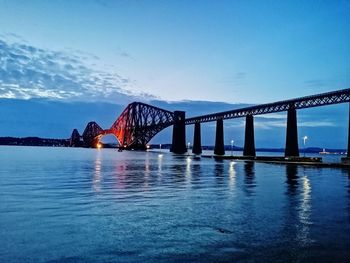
(140, 122)
(134, 128)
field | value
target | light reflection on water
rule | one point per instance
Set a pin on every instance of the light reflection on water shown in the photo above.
(97, 177)
(83, 205)
(232, 176)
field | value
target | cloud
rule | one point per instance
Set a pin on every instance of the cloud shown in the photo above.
(265, 125)
(125, 55)
(272, 116)
(325, 123)
(29, 72)
(279, 120)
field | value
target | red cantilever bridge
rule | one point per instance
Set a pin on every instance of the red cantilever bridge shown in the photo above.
(140, 122)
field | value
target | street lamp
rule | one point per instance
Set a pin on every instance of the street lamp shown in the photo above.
(304, 138)
(232, 141)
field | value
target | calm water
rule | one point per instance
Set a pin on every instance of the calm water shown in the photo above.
(86, 205)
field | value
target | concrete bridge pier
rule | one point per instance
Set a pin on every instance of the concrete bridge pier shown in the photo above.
(219, 138)
(346, 160)
(292, 148)
(249, 143)
(197, 146)
(348, 154)
(179, 133)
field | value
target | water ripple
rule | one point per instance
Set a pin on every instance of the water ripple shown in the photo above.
(83, 205)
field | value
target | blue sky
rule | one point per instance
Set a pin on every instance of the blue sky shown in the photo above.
(232, 51)
(115, 52)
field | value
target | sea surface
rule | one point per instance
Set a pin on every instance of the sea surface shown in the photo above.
(89, 205)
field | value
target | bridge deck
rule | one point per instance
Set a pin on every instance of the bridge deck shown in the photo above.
(334, 97)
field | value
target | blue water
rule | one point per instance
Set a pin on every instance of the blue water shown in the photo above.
(88, 205)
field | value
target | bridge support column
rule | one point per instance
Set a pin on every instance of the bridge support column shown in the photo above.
(179, 133)
(346, 160)
(249, 143)
(348, 154)
(292, 148)
(219, 138)
(197, 146)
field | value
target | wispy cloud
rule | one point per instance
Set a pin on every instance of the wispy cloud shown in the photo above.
(125, 55)
(273, 121)
(325, 123)
(277, 120)
(265, 125)
(272, 116)
(30, 72)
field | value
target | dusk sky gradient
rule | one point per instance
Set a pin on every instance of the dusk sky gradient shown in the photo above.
(116, 52)
(232, 51)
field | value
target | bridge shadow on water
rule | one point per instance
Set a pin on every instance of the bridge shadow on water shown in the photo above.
(296, 228)
(249, 178)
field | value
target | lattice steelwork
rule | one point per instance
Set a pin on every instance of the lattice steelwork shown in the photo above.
(328, 98)
(92, 133)
(74, 140)
(138, 123)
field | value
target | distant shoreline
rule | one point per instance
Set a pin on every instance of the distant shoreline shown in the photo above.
(33, 141)
(36, 141)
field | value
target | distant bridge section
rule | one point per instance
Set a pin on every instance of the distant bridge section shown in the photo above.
(134, 128)
(323, 99)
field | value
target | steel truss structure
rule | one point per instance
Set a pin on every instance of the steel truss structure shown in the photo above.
(339, 96)
(92, 134)
(75, 139)
(138, 123)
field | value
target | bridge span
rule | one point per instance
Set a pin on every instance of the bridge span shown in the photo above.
(291, 105)
(334, 97)
(140, 122)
